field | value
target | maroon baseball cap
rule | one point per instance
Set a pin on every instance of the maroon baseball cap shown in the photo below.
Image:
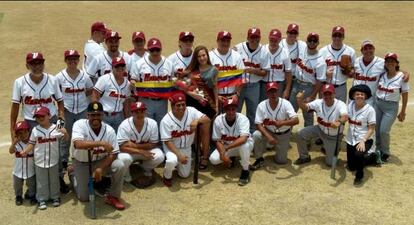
(328, 88)
(223, 35)
(41, 111)
(253, 32)
(21, 125)
(367, 42)
(293, 27)
(154, 43)
(186, 35)
(272, 85)
(98, 26)
(392, 56)
(138, 35)
(34, 56)
(71, 53)
(118, 61)
(338, 29)
(112, 34)
(313, 35)
(138, 106)
(275, 35)
(177, 98)
(230, 102)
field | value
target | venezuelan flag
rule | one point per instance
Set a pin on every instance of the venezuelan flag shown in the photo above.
(229, 78)
(150, 89)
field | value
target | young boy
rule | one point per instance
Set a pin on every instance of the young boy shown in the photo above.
(23, 165)
(44, 139)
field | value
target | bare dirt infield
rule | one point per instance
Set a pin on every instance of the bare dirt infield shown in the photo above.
(276, 194)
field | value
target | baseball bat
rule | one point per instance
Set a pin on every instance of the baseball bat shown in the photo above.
(196, 157)
(92, 203)
(335, 157)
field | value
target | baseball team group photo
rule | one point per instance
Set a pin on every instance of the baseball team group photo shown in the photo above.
(227, 117)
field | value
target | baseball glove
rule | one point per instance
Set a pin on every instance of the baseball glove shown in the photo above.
(346, 64)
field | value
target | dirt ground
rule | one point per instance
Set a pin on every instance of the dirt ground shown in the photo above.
(276, 194)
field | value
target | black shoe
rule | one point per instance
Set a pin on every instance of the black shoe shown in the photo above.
(19, 200)
(318, 141)
(244, 177)
(33, 200)
(257, 164)
(357, 181)
(384, 157)
(102, 187)
(301, 161)
(64, 188)
(233, 161)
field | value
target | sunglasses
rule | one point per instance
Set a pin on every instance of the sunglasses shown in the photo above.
(187, 40)
(120, 66)
(293, 33)
(35, 63)
(337, 35)
(312, 41)
(155, 50)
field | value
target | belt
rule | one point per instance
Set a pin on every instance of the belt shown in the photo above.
(304, 82)
(338, 85)
(111, 113)
(155, 99)
(284, 132)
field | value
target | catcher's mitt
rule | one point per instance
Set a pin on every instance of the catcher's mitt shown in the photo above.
(346, 64)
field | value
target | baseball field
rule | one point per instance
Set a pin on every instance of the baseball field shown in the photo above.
(276, 194)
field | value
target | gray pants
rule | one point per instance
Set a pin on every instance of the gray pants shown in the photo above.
(156, 109)
(307, 88)
(307, 133)
(263, 95)
(282, 146)
(47, 183)
(386, 113)
(250, 94)
(18, 186)
(114, 120)
(341, 93)
(81, 179)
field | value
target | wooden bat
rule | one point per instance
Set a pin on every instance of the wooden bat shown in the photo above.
(196, 157)
(335, 157)
(92, 203)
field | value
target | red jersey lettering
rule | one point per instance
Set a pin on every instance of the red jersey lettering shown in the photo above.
(29, 100)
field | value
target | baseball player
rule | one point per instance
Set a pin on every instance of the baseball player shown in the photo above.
(92, 136)
(44, 142)
(102, 63)
(361, 128)
(275, 118)
(23, 169)
(181, 58)
(138, 139)
(293, 45)
(280, 66)
(177, 130)
(332, 115)
(35, 89)
(224, 58)
(332, 54)
(310, 74)
(75, 86)
(153, 68)
(113, 91)
(390, 87)
(231, 133)
(139, 51)
(255, 61)
(94, 46)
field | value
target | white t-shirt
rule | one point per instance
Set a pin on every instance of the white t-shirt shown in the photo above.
(310, 68)
(33, 95)
(91, 50)
(278, 64)
(144, 70)
(327, 115)
(113, 95)
(74, 91)
(333, 58)
(82, 131)
(266, 115)
(46, 149)
(178, 131)
(256, 59)
(102, 64)
(128, 132)
(230, 61)
(23, 166)
(179, 62)
(294, 51)
(358, 122)
(390, 89)
(228, 134)
(369, 74)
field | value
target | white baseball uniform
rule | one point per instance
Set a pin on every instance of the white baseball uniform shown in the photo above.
(294, 50)
(359, 120)
(127, 131)
(33, 95)
(23, 166)
(228, 134)
(326, 115)
(279, 63)
(113, 94)
(74, 91)
(333, 59)
(230, 61)
(179, 62)
(134, 57)
(102, 64)
(310, 68)
(256, 59)
(46, 145)
(391, 89)
(178, 131)
(91, 49)
(368, 74)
